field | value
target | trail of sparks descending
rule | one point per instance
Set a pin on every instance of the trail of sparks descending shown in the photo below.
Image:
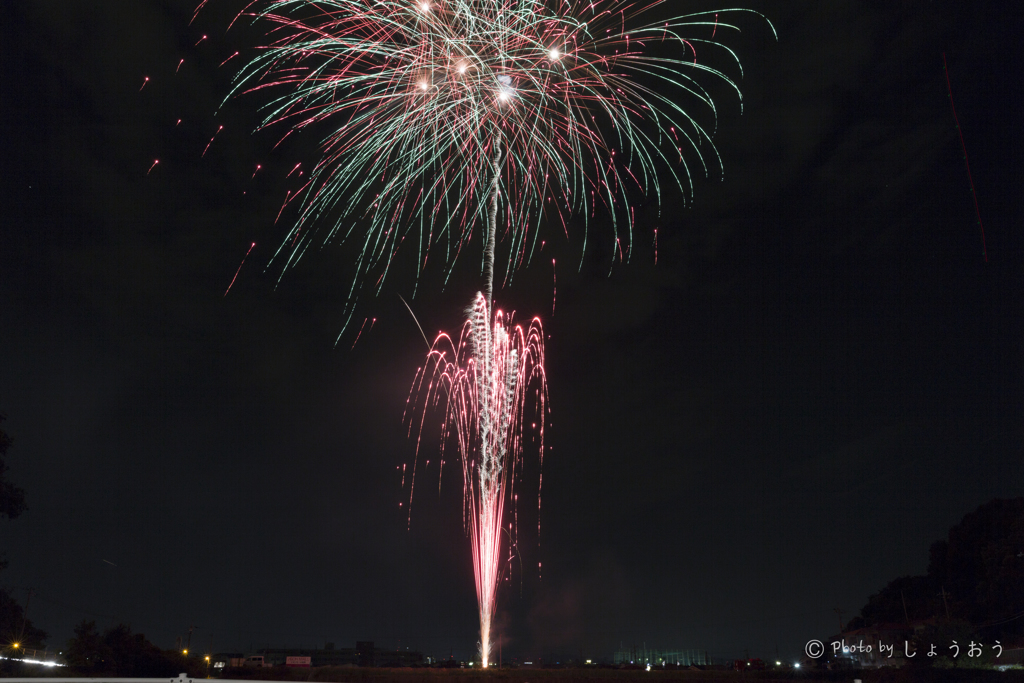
(575, 102)
(486, 383)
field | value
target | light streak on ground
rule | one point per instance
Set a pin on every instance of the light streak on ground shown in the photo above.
(486, 383)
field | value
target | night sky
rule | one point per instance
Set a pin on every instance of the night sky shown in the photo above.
(819, 377)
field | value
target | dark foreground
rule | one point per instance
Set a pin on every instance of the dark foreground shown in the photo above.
(409, 675)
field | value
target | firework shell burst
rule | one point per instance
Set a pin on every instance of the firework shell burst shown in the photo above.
(566, 104)
(487, 383)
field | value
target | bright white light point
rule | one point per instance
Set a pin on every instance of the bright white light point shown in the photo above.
(554, 54)
(425, 6)
(503, 95)
(462, 68)
(423, 85)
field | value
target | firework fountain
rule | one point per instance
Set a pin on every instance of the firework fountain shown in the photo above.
(487, 383)
(442, 108)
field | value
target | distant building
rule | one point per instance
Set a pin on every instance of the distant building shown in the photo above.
(644, 656)
(363, 654)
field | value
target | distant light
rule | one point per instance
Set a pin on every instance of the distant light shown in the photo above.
(778, 663)
(184, 652)
(15, 646)
(797, 665)
(588, 661)
(554, 54)
(648, 666)
(423, 85)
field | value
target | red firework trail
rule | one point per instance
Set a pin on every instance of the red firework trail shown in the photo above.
(211, 141)
(284, 204)
(239, 269)
(974, 195)
(258, 167)
(228, 59)
(655, 246)
(155, 162)
(366, 320)
(200, 40)
(145, 80)
(179, 65)
(554, 287)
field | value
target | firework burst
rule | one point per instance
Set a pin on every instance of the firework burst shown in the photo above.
(486, 383)
(437, 107)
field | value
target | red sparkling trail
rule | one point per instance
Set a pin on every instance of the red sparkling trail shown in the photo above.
(360, 333)
(239, 269)
(554, 287)
(155, 162)
(211, 141)
(974, 195)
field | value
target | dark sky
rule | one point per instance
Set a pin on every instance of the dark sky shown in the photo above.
(821, 375)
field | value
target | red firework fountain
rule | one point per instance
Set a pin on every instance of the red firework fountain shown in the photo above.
(485, 382)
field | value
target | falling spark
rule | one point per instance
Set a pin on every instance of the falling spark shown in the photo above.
(179, 65)
(251, 247)
(655, 246)
(228, 60)
(963, 145)
(360, 333)
(258, 167)
(211, 141)
(200, 40)
(155, 162)
(554, 287)
(284, 204)
(145, 80)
